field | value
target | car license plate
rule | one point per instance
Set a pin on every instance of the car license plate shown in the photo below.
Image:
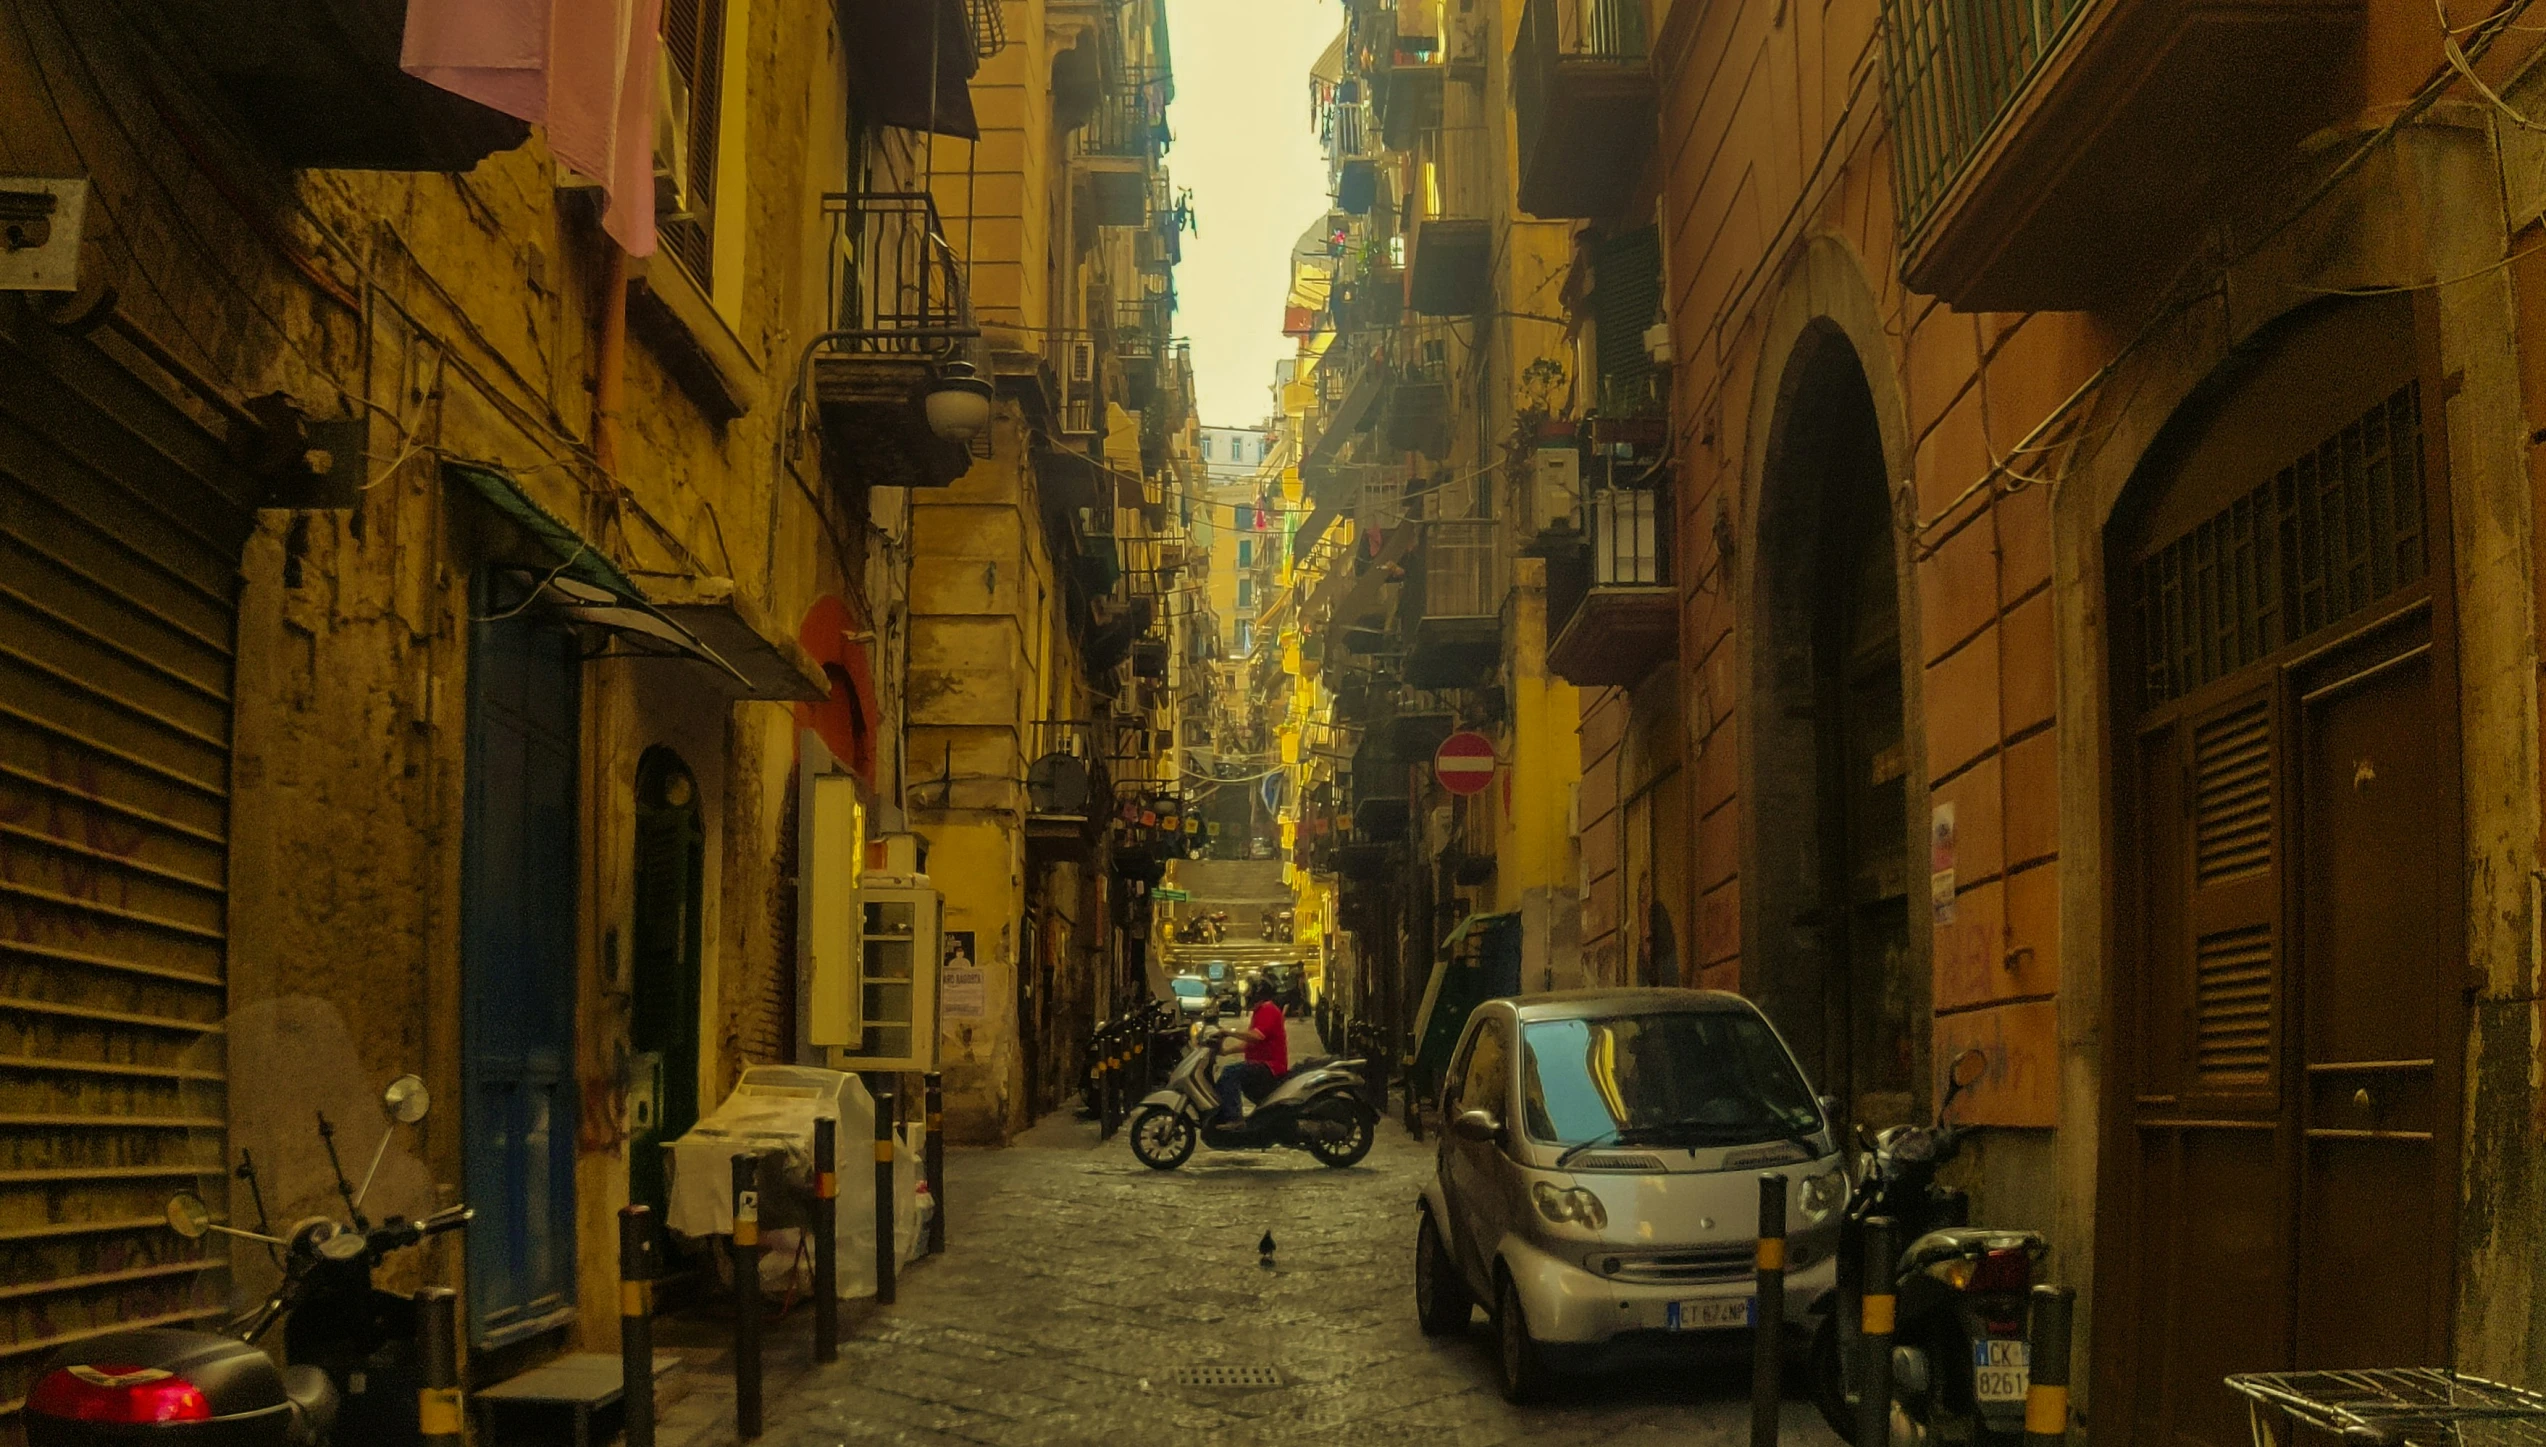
(1707, 1315)
(2000, 1370)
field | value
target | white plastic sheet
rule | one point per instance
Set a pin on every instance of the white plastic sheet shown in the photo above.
(773, 1108)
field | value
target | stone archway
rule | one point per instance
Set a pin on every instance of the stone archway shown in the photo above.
(1833, 806)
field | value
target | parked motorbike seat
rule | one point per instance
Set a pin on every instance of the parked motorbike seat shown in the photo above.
(314, 1397)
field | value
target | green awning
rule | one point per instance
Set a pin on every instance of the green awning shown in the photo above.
(578, 557)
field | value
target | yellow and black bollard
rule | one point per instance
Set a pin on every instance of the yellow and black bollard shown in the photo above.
(437, 1323)
(826, 1240)
(636, 1323)
(2046, 1396)
(1882, 1261)
(1768, 1313)
(746, 1262)
(880, 1087)
(936, 1162)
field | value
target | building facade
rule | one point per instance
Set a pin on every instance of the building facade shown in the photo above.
(424, 622)
(2087, 450)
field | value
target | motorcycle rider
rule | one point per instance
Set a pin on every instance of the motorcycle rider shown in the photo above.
(1267, 1058)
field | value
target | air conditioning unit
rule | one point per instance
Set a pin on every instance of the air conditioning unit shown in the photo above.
(1082, 364)
(1556, 490)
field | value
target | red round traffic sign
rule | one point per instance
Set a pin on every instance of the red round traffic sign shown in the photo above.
(1465, 762)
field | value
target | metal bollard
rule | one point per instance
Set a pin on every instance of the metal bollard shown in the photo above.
(884, 1243)
(746, 1262)
(1882, 1259)
(826, 1240)
(636, 1323)
(1768, 1313)
(935, 1162)
(2046, 1397)
(438, 1411)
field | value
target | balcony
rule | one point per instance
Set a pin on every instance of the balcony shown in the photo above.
(1068, 790)
(1455, 599)
(1419, 364)
(2051, 154)
(1413, 64)
(1118, 147)
(1450, 246)
(1584, 100)
(317, 81)
(1610, 600)
(899, 315)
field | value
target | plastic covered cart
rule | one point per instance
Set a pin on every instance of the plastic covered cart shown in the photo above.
(772, 1110)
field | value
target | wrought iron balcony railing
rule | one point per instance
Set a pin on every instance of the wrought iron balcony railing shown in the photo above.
(1130, 122)
(895, 286)
(1462, 569)
(1953, 68)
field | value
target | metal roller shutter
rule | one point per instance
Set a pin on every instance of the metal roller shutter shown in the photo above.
(121, 526)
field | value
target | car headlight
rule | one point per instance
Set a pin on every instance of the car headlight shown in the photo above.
(1569, 1204)
(1824, 1194)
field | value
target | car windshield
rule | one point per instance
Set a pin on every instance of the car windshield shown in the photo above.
(1692, 1078)
(1190, 989)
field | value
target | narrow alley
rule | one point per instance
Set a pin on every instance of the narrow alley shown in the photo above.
(1090, 1300)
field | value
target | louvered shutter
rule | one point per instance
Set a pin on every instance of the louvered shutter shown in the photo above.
(1626, 299)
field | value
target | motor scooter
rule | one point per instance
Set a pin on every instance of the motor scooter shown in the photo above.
(1318, 1107)
(354, 1373)
(1959, 1357)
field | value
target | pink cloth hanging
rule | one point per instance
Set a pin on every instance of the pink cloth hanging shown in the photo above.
(585, 69)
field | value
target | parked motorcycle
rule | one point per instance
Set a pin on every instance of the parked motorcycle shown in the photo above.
(354, 1373)
(1959, 1358)
(1318, 1108)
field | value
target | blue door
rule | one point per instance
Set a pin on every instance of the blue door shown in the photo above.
(518, 969)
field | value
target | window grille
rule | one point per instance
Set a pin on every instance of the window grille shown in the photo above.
(2337, 530)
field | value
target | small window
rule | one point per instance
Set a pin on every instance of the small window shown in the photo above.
(1206, 449)
(1246, 638)
(1487, 1085)
(685, 133)
(1246, 592)
(1246, 518)
(1246, 552)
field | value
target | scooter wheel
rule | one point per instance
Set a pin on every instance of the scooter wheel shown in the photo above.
(1162, 1138)
(1346, 1130)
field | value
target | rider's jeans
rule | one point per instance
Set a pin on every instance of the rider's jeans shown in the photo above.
(1234, 1080)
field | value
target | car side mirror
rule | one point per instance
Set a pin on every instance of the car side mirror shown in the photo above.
(1476, 1125)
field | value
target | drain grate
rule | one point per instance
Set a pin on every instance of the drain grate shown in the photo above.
(1228, 1378)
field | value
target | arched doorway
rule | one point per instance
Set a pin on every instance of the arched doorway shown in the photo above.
(667, 939)
(1826, 942)
(2287, 991)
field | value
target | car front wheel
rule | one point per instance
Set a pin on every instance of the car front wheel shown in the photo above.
(1441, 1302)
(1520, 1367)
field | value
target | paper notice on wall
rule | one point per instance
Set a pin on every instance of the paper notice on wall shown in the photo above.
(1940, 862)
(963, 993)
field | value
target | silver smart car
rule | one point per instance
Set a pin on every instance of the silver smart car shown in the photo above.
(1598, 1184)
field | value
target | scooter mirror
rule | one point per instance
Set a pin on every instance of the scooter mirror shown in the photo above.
(189, 1217)
(1968, 1067)
(406, 1100)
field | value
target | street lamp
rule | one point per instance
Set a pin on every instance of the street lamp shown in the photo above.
(959, 405)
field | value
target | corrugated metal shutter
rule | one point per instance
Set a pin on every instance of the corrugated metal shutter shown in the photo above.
(120, 534)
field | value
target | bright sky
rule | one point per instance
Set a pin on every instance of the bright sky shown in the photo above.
(1245, 148)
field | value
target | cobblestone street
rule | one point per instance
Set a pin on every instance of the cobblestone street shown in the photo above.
(1081, 1291)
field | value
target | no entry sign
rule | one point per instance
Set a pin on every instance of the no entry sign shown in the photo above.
(1465, 762)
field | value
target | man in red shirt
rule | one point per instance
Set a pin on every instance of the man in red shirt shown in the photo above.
(1268, 1054)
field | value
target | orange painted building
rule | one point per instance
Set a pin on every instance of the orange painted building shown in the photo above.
(2100, 544)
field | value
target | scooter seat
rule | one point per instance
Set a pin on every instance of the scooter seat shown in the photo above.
(313, 1398)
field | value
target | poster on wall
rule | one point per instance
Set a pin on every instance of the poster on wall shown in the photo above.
(962, 993)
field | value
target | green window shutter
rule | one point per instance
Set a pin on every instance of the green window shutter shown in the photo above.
(1626, 298)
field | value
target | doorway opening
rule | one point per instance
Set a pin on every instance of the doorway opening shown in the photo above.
(1827, 945)
(668, 942)
(2288, 1000)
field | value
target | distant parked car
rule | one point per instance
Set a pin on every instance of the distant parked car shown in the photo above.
(1598, 1182)
(1193, 996)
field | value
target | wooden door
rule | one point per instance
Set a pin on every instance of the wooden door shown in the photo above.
(2288, 976)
